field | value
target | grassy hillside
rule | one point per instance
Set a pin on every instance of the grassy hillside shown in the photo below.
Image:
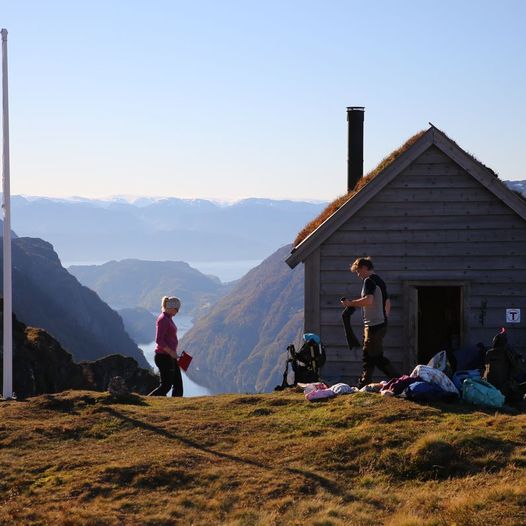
(80, 458)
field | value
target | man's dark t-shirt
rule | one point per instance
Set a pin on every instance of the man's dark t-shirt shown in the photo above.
(375, 314)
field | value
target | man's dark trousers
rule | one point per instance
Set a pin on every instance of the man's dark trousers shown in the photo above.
(373, 354)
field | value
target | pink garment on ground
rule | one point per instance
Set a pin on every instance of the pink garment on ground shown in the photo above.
(320, 394)
(307, 388)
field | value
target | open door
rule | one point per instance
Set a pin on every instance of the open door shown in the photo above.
(439, 320)
(435, 319)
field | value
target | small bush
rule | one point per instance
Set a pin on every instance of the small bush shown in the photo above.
(432, 456)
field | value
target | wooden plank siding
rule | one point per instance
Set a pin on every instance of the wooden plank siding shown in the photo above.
(312, 293)
(433, 222)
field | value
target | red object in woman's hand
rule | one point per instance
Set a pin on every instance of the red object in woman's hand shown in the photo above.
(184, 361)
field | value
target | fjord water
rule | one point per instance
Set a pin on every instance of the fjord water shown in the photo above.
(225, 271)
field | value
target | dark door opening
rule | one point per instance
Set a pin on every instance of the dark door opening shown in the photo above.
(439, 320)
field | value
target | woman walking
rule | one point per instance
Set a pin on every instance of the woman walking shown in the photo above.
(166, 349)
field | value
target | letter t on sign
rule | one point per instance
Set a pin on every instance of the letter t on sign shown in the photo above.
(513, 315)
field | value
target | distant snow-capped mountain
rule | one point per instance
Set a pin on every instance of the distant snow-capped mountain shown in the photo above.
(518, 186)
(165, 228)
(176, 229)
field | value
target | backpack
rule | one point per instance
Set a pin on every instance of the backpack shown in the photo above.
(306, 363)
(517, 364)
(479, 392)
(517, 383)
(459, 377)
(506, 368)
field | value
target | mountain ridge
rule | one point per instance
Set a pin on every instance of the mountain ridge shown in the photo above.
(45, 295)
(137, 283)
(240, 344)
(167, 229)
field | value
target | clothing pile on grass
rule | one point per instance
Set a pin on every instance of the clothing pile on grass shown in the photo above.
(426, 384)
(487, 378)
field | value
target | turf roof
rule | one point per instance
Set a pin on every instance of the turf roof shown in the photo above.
(340, 201)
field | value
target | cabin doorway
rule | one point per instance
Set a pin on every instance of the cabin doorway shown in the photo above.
(439, 320)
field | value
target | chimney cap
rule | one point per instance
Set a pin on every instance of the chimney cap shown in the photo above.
(355, 108)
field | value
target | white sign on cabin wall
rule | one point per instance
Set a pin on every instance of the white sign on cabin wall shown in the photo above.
(513, 315)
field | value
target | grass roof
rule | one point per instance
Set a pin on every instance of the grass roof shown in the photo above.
(340, 201)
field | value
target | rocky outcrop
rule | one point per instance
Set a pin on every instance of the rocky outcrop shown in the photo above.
(98, 374)
(41, 365)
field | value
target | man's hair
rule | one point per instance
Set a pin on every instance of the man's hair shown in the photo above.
(362, 262)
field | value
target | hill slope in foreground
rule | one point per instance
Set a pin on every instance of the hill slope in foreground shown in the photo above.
(82, 458)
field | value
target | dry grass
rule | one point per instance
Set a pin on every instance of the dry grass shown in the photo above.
(81, 458)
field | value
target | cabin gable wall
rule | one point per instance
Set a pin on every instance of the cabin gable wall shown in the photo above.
(433, 223)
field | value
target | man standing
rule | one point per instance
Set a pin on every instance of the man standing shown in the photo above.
(376, 306)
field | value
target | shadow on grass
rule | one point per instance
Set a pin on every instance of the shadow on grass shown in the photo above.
(129, 399)
(324, 482)
(54, 402)
(463, 408)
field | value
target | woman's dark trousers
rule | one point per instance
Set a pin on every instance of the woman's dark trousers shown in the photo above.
(170, 376)
(177, 389)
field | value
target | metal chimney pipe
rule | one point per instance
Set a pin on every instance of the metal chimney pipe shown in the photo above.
(355, 116)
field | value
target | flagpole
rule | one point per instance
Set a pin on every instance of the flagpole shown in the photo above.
(6, 198)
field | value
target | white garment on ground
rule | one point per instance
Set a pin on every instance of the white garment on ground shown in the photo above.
(342, 388)
(373, 388)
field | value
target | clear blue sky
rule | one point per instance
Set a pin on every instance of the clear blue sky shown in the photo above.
(238, 98)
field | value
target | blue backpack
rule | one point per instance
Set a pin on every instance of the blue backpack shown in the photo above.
(480, 392)
(459, 377)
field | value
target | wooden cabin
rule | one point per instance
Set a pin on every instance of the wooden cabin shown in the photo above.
(445, 234)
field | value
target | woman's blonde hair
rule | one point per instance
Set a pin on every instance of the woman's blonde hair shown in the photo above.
(170, 302)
